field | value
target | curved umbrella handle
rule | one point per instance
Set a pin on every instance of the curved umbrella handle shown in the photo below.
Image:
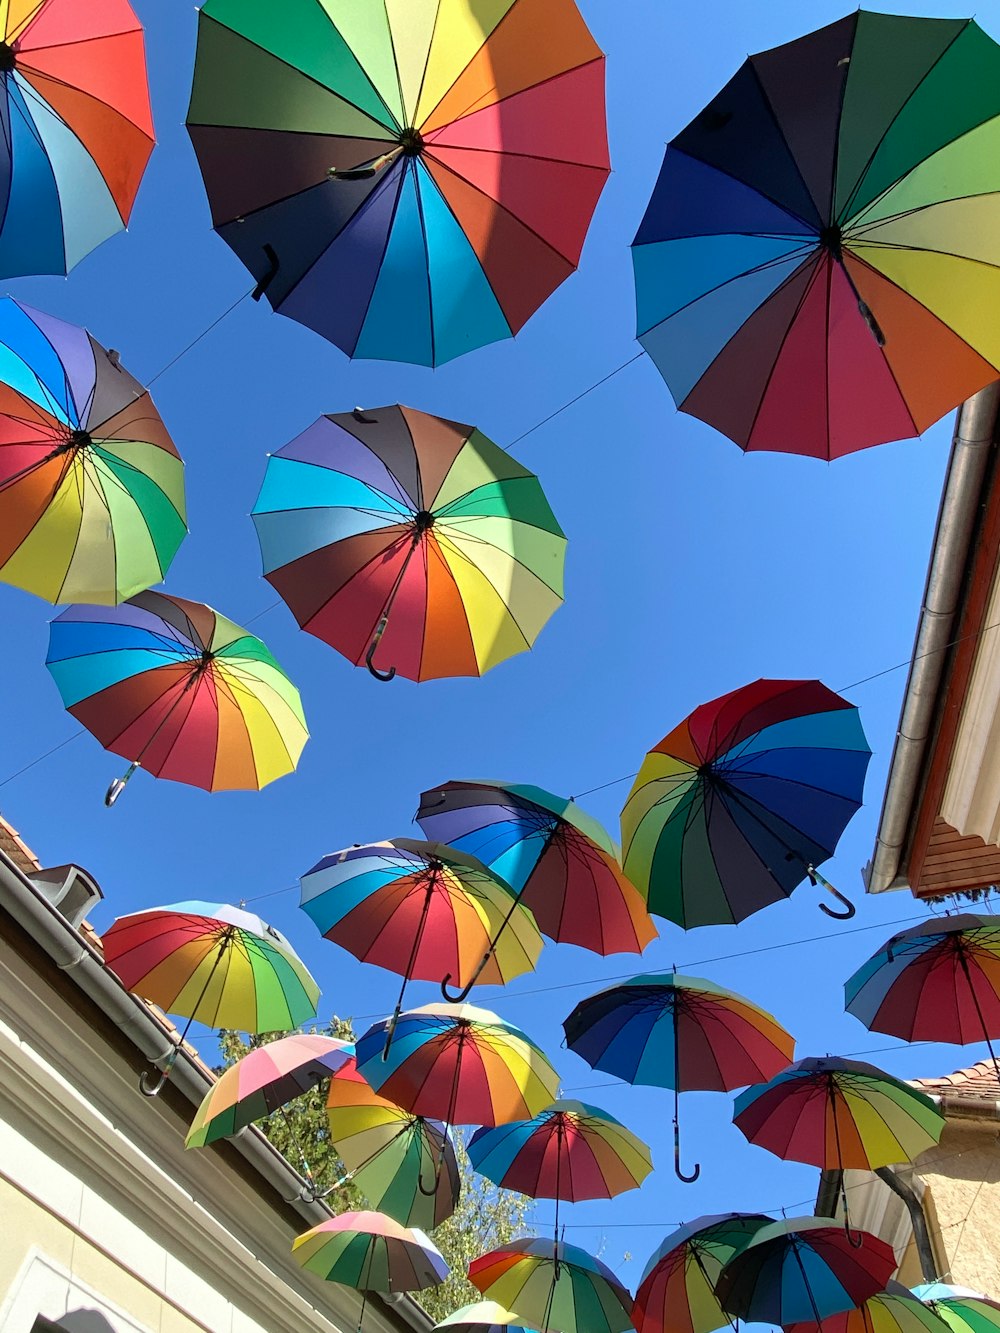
(370, 654)
(150, 1089)
(461, 995)
(815, 878)
(274, 263)
(118, 786)
(427, 1193)
(688, 1180)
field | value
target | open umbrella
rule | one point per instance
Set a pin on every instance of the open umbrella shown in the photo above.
(411, 180)
(557, 859)
(963, 1310)
(677, 1290)
(894, 1310)
(397, 529)
(78, 130)
(91, 485)
(423, 910)
(483, 1317)
(555, 1286)
(178, 689)
(742, 801)
(210, 963)
(819, 265)
(668, 1031)
(391, 1154)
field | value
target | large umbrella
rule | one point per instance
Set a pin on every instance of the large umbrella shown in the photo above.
(78, 130)
(91, 485)
(397, 529)
(803, 1269)
(742, 801)
(555, 1286)
(938, 981)
(894, 1310)
(411, 180)
(179, 690)
(559, 861)
(423, 910)
(684, 1033)
(819, 266)
(391, 1154)
(483, 1317)
(963, 1310)
(210, 963)
(677, 1290)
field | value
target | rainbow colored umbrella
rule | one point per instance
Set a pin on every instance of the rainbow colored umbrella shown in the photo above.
(742, 801)
(891, 1311)
(179, 690)
(211, 963)
(963, 1310)
(557, 859)
(819, 265)
(91, 485)
(801, 1270)
(555, 1286)
(668, 1031)
(410, 180)
(390, 1154)
(391, 527)
(677, 1290)
(78, 130)
(423, 910)
(483, 1317)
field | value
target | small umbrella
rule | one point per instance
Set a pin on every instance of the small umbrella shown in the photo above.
(91, 485)
(423, 910)
(894, 1310)
(483, 1317)
(389, 1153)
(963, 1310)
(842, 1114)
(411, 181)
(78, 130)
(559, 861)
(741, 802)
(669, 1031)
(939, 981)
(210, 963)
(803, 1269)
(819, 264)
(555, 1286)
(392, 525)
(569, 1151)
(677, 1290)
(370, 1252)
(178, 689)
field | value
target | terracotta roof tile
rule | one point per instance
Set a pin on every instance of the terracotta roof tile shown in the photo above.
(19, 852)
(977, 1082)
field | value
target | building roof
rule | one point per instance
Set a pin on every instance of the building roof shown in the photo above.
(978, 1082)
(16, 849)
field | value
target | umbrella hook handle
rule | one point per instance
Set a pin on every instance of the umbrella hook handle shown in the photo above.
(118, 786)
(150, 1089)
(461, 996)
(427, 1193)
(815, 878)
(370, 654)
(688, 1180)
(274, 263)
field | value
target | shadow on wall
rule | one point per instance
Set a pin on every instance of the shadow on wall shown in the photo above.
(77, 1321)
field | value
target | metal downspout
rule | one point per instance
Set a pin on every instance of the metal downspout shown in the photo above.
(918, 1221)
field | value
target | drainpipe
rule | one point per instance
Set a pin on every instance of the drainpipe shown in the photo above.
(921, 1236)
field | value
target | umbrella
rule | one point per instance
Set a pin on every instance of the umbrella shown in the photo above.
(559, 860)
(78, 130)
(963, 1310)
(677, 1290)
(817, 270)
(484, 1317)
(841, 1114)
(420, 909)
(803, 1269)
(411, 182)
(555, 1286)
(568, 1151)
(178, 689)
(210, 963)
(91, 485)
(669, 1031)
(939, 981)
(392, 524)
(389, 1153)
(891, 1311)
(743, 800)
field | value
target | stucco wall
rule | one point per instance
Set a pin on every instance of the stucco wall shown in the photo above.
(962, 1175)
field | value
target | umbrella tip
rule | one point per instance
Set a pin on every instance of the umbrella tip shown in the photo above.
(359, 414)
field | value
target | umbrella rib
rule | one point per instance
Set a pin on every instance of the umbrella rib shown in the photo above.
(383, 185)
(427, 60)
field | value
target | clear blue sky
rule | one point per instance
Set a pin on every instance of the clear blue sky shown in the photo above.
(691, 570)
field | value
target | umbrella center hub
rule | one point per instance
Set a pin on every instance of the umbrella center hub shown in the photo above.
(79, 439)
(830, 238)
(8, 58)
(411, 141)
(423, 520)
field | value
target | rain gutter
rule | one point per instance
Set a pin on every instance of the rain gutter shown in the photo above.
(961, 504)
(73, 955)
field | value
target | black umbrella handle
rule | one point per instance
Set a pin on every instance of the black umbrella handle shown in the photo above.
(815, 878)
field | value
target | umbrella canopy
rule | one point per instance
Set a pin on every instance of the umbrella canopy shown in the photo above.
(803, 1269)
(484, 1317)
(423, 910)
(558, 860)
(890, 1311)
(410, 180)
(395, 528)
(370, 1252)
(388, 1152)
(264, 1080)
(964, 1311)
(742, 800)
(178, 689)
(214, 964)
(677, 1291)
(669, 1031)
(555, 1286)
(91, 485)
(819, 265)
(78, 130)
